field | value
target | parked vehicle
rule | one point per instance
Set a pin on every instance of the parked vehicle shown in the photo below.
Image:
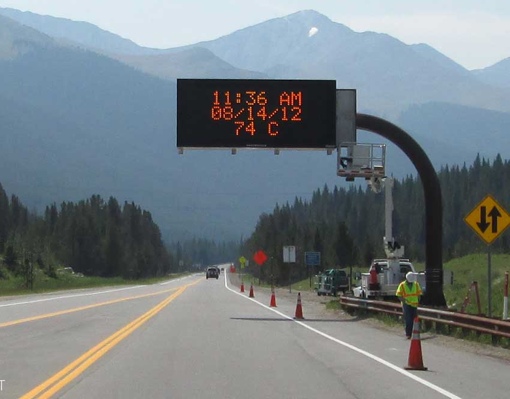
(384, 276)
(331, 281)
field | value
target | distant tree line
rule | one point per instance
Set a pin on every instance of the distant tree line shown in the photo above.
(346, 225)
(198, 253)
(97, 238)
(94, 237)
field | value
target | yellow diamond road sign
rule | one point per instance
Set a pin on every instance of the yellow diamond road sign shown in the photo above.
(488, 219)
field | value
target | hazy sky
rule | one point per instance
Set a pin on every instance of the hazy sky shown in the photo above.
(474, 33)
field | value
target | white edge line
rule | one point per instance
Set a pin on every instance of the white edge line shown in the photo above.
(70, 296)
(352, 347)
(87, 294)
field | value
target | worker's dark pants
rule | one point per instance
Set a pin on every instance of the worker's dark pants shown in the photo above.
(410, 312)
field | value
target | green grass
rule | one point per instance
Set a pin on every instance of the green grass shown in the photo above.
(303, 285)
(333, 305)
(475, 268)
(390, 320)
(43, 283)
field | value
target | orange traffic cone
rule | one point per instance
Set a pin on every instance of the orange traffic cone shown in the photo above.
(251, 291)
(273, 299)
(242, 287)
(299, 309)
(415, 361)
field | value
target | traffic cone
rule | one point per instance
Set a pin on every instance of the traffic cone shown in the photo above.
(251, 291)
(273, 299)
(299, 309)
(242, 287)
(415, 361)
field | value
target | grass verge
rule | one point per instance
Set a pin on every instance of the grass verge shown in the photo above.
(42, 283)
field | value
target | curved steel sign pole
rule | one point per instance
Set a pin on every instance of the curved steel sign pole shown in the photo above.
(433, 202)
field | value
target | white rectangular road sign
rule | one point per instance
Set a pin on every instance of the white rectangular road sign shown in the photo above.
(289, 254)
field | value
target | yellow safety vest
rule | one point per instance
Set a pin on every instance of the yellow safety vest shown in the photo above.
(411, 295)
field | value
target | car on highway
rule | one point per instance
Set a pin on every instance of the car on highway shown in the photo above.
(212, 272)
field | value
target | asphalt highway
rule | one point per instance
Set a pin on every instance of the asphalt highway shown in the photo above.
(198, 338)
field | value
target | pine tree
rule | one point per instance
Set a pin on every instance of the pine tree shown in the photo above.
(4, 218)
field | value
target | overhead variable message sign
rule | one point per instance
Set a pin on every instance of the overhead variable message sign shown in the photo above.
(251, 113)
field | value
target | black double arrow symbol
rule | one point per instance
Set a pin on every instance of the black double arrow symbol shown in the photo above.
(483, 224)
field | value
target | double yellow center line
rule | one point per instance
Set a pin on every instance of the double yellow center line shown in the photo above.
(58, 381)
(79, 309)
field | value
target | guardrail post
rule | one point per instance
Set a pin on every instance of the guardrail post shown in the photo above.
(438, 326)
(505, 298)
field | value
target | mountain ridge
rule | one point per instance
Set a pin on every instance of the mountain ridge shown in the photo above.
(75, 122)
(497, 75)
(441, 79)
(61, 25)
(379, 66)
(81, 32)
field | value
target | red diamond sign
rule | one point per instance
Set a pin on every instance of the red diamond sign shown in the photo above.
(260, 257)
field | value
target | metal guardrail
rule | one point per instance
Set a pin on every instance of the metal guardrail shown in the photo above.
(438, 317)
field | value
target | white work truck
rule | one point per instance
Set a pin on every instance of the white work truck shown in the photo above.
(384, 276)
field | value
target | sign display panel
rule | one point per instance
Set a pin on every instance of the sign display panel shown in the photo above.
(488, 219)
(237, 113)
(260, 257)
(312, 258)
(289, 254)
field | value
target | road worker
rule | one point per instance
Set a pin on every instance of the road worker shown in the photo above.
(409, 292)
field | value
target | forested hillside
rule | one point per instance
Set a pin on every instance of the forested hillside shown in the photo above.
(102, 238)
(94, 237)
(347, 225)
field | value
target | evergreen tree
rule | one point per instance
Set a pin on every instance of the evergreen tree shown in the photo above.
(113, 246)
(4, 218)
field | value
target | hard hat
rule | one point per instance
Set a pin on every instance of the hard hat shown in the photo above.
(410, 276)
